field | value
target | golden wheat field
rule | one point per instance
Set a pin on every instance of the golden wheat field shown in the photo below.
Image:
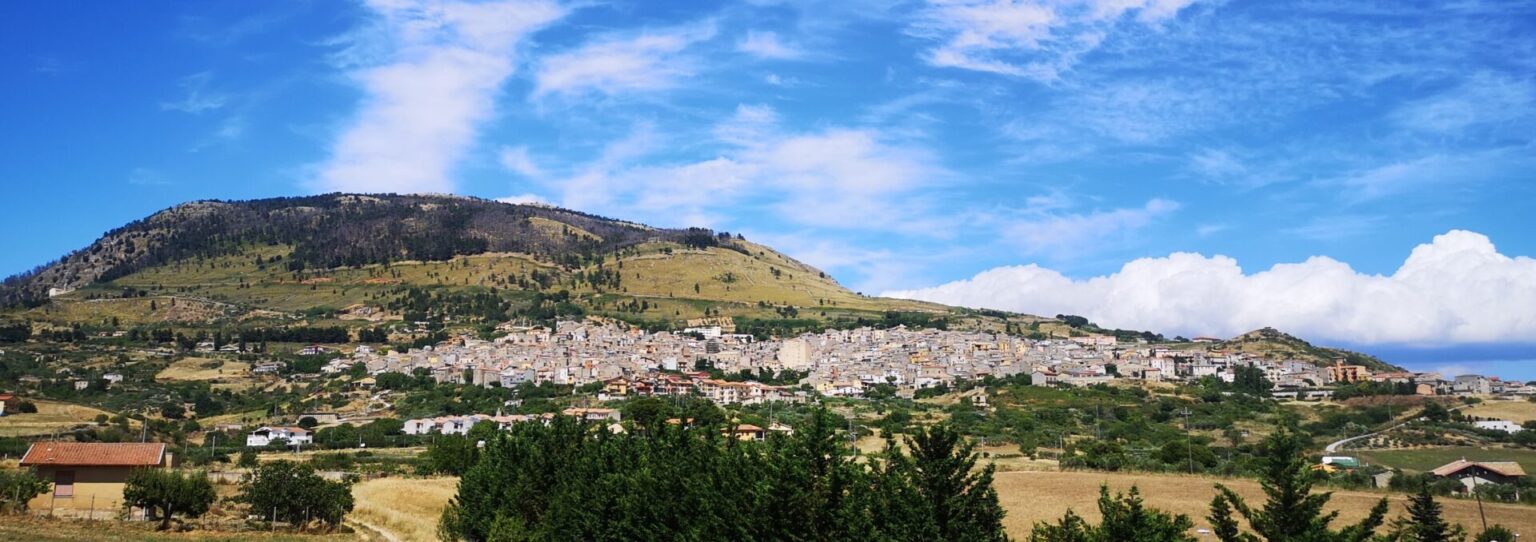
(1516, 410)
(51, 416)
(1030, 497)
(407, 508)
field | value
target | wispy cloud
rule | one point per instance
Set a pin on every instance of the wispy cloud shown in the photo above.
(764, 44)
(1029, 38)
(423, 106)
(1059, 234)
(197, 96)
(612, 64)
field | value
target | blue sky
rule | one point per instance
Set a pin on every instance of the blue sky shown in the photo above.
(966, 152)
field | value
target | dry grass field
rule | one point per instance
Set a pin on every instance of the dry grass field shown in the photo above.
(189, 369)
(51, 416)
(40, 529)
(1515, 410)
(407, 508)
(1030, 497)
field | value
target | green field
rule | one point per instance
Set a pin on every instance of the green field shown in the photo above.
(1430, 458)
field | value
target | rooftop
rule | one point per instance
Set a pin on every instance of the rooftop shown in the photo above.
(94, 454)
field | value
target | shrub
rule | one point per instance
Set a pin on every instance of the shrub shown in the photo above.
(18, 487)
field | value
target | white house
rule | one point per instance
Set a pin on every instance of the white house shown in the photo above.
(266, 435)
(1499, 425)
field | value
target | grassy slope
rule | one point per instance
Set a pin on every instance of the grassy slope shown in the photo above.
(236, 287)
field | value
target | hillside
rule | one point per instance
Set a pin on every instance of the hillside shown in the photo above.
(380, 257)
(1274, 344)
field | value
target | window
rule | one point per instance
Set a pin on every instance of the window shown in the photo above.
(64, 483)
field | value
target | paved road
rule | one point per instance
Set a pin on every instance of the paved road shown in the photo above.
(1334, 447)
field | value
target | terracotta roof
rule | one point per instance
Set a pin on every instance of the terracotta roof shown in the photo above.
(96, 454)
(1506, 468)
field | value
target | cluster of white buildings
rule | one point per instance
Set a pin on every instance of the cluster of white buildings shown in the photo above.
(848, 362)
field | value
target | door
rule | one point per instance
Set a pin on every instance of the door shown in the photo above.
(64, 483)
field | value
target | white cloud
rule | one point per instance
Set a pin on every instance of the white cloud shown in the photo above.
(768, 45)
(652, 60)
(846, 178)
(518, 161)
(1482, 100)
(423, 106)
(524, 199)
(1456, 289)
(1071, 234)
(198, 97)
(1028, 38)
(1416, 175)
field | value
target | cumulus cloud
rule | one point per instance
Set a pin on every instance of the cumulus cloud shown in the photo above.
(651, 60)
(443, 63)
(1456, 289)
(1028, 38)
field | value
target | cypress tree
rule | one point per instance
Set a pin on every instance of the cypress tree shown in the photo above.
(1292, 513)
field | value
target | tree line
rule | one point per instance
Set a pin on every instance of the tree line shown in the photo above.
(683, 480)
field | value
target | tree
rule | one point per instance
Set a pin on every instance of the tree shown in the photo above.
(173, 411)
(452, 455)
(17, 487)
(166, 493)
(1249, 379)
(1496, 533)
(954, 494)
(308, 422)
(247, 459)
(1424, 522)
(1125, 518)
(1292, 513)
(292, 492)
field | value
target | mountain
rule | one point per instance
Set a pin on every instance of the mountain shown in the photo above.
(1274, 344)
(389, 255)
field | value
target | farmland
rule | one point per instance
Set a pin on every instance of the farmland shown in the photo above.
(1030, 497)
(1516, 410)
(51, 416)
(409, 508)
(1424, 459)
(203, 369)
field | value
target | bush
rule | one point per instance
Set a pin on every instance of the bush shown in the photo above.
(167, 493)
(26, 407)
(18, 487)
(292, 492)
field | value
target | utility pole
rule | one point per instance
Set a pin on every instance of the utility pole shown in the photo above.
(1189, 441)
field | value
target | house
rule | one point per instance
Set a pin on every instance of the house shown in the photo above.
(267, 435)
(594, 414)
(1475, 473)
(1348, 374)
(8, 403)
(88, 475)
(113, 378)
(1341, 461)
(1042, 377)
(745, 431)
(1499, 425)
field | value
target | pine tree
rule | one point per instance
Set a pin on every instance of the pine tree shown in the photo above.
(1424, 522)
(1291, 513)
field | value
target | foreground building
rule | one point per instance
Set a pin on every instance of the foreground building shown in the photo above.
(90, 475)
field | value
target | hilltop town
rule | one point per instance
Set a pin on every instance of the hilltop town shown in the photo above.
(714, 362)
